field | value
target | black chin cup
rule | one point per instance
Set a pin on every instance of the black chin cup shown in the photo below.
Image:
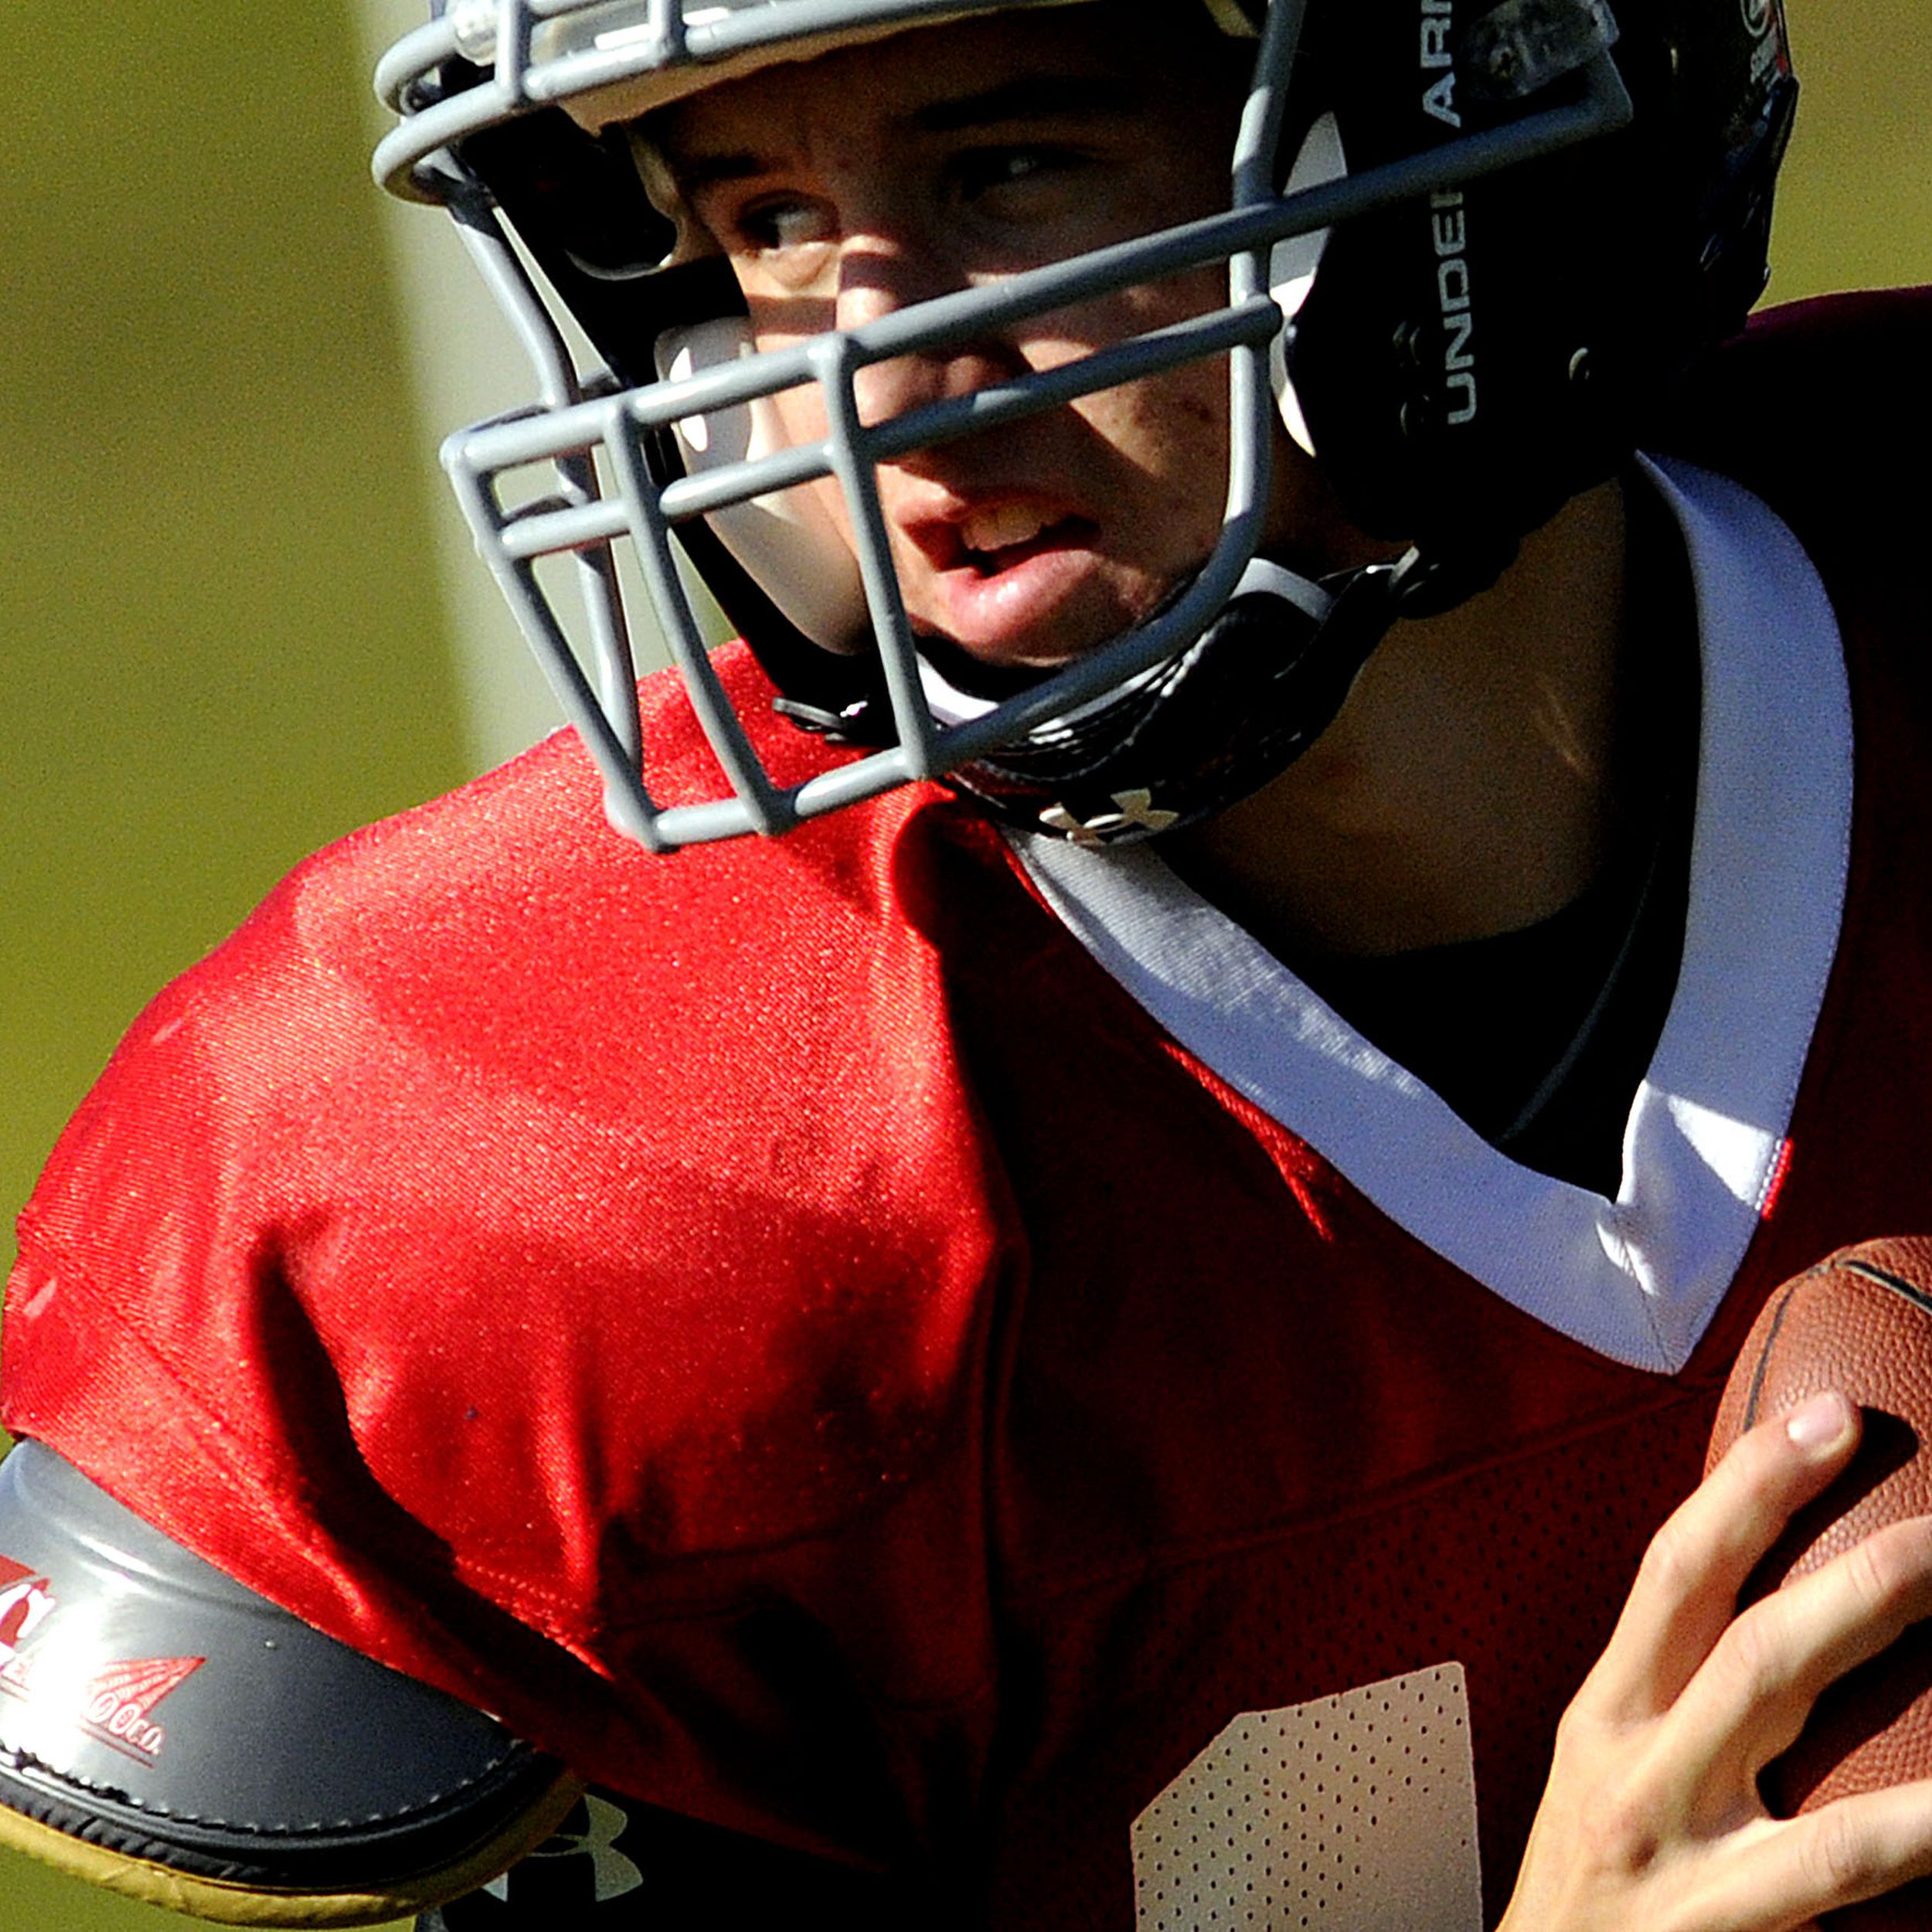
(1209, 727)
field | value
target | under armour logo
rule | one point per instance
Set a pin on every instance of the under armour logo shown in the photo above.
(1135, 812)
(612, 1874)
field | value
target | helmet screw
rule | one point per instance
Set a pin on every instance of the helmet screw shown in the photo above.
(1583, 369)
(1408, 344)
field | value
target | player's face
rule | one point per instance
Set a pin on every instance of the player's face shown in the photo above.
(848, 186)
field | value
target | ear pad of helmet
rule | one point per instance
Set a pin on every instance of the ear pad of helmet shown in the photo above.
(787, 543)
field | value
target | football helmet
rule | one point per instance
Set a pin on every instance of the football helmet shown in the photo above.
(1470, 248)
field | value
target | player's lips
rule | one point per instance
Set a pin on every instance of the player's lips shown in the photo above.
(999, 568)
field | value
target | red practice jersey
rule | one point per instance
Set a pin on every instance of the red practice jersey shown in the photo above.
(783, 1329)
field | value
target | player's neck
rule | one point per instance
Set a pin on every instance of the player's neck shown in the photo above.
(1469, 787)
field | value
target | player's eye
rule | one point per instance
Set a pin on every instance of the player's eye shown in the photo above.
(1012, 177)
(783, 240)
(779, 222)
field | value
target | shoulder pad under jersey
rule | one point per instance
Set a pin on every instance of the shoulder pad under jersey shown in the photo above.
(171, 1735)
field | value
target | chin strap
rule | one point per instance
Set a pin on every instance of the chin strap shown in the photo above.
(1206, 729)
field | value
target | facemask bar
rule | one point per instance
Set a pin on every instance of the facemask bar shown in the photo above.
(558, 389)
(585, 523)
(543, 52)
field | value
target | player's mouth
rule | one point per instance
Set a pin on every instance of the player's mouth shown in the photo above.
(999, 571)
(990, 541)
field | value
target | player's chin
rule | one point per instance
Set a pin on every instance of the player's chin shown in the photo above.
(1038, 618)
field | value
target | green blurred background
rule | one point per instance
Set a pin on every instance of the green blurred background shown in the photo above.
(222, 541)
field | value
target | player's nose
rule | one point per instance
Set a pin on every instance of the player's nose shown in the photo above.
(882, 276)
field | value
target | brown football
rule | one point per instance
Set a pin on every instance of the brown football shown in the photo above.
(1860, 1322)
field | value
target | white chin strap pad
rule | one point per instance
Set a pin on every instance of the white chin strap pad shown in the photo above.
(787, 543)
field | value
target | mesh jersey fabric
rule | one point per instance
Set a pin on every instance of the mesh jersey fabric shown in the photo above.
(784, 1331)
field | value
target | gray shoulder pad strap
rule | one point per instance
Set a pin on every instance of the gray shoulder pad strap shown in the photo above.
(167, 1732)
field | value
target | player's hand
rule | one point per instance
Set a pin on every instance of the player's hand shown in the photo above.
(1652, 1820)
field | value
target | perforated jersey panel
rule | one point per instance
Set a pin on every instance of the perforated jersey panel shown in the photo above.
(1355, 1811)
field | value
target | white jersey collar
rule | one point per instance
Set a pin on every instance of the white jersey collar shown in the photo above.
(1638, 1278)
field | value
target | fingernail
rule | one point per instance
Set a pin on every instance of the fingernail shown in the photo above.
(1819, 1421)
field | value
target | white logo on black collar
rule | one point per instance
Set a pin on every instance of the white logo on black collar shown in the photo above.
(1134, 811)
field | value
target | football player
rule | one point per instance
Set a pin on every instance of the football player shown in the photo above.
(1095, 1335)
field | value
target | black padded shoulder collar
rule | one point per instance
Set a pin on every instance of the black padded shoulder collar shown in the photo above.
(167, 1732)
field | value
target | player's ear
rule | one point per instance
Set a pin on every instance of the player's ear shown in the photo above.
(173, 1737)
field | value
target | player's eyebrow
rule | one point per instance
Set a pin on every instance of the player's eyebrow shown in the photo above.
(695, 173)
(1034, 97)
